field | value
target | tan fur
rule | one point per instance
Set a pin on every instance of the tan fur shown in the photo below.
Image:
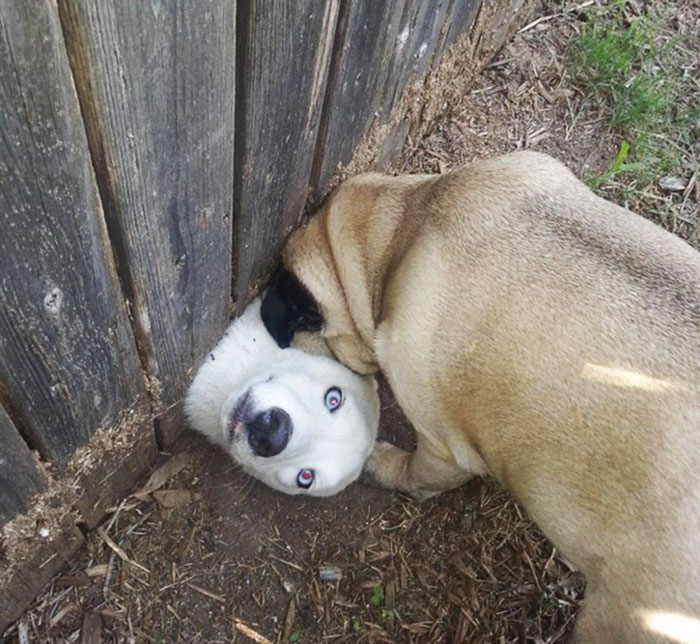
(536, 332)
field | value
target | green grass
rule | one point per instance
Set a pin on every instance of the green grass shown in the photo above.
(357, 627)
(632, 70)
(377, 598)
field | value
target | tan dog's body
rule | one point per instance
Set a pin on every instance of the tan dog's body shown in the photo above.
(536, 332)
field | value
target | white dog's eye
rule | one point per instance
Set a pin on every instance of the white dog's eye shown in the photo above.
(333, 398)
(305, 478)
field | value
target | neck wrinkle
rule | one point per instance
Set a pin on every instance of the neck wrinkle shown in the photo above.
(364, 331)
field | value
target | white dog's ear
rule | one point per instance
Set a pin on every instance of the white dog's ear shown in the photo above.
(287, 307)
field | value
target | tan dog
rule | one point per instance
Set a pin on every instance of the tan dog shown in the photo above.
(536, 332)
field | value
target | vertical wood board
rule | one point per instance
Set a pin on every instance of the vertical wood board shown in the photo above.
(284, 50)
(429, 27)
(20, 477)
(366, 37)
(382, 48)
(112, 466)
(156, 85)
(460, 16)
(419, 34)
(23, 579)
(68, 362)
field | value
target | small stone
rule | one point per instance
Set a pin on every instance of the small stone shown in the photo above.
(329, 573)
(671, 183)
(44, 533)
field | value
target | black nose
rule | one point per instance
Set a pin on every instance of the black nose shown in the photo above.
(269, 431)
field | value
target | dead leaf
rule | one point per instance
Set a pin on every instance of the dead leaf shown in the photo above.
(162, 475)
(175, 498)
(671, 183)
(91, 631)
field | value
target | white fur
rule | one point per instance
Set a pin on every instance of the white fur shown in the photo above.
(335, 445)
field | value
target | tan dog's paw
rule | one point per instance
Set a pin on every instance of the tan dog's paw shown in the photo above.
(386, 466)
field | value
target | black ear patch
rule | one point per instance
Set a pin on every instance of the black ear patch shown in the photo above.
(288, 307)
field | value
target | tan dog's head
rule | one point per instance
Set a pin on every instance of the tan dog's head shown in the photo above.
(339, 260)
(309, 288)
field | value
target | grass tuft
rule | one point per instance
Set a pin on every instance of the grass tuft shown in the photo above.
(634, 70)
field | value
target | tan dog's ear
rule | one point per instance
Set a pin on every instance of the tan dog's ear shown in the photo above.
(313, 343)
(308, 254)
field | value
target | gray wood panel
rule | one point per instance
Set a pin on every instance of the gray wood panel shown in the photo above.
(381, 48)
(20, 477)
(156, 85)
(284, 49)
(460, 15)
(362, 56)
(419, 34)
(24, 575)
(68, 363)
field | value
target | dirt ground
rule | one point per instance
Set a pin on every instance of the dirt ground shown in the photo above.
(213, 556)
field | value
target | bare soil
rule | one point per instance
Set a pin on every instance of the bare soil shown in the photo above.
(214, 556)
(234, 557)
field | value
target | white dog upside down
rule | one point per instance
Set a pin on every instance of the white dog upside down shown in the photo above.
(301, 423)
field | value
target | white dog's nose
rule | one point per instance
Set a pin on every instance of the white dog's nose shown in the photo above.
(269, 431)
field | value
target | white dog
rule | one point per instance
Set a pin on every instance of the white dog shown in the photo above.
(301, 423)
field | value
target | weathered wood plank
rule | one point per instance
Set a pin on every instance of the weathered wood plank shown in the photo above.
(68, 363)
(423, 26)
(20, 477)
(382, 48)
(113, 463)
(495, 23)
(460, 15)
(156, 86)
(284, 49)
(419, 34)
(31, 568)
(366, 37)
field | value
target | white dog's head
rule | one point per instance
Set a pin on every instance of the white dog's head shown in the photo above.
(301, 423)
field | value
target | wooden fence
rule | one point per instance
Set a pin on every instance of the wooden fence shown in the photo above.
(153, 155)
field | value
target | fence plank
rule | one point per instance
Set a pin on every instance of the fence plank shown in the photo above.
(24, 576)
(284, 49)
(68, 363)
(20, 478)
(156, 85)
(460, 15)
(366, 37)
(382, 48)
(424, 25)
(419, 32)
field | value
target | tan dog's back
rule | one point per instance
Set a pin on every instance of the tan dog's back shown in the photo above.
(535, 331)
(578, 382)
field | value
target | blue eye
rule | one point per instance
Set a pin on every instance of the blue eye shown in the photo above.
(305, 478)
(333, 399)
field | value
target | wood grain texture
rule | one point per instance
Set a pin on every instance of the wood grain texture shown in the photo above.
(382, 47)
(495, 23)
(156, 86)
(422, 22)
(68, 362)
(460, 16)
(20, 477)
(24, 578)
(284, 49)
(362, 56)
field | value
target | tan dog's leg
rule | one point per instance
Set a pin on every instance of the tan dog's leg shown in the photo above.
(422, 473)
